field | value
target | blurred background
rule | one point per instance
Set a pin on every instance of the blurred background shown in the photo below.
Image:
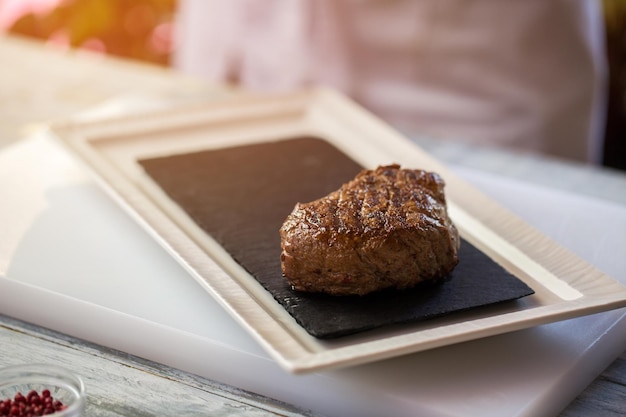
(135, 29)
(143, 30)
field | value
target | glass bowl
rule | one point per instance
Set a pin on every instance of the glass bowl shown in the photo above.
(62, 385)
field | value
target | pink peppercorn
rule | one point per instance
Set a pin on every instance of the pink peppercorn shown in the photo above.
(31, 405)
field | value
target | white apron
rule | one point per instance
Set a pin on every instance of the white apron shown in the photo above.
(527, 75)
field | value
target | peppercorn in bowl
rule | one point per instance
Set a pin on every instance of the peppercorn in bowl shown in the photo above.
(40, 389)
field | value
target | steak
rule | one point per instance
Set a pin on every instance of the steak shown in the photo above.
(387, 228)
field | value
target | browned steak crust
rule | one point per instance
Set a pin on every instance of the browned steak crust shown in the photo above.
(387, 228)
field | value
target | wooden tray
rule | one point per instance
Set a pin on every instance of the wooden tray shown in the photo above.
(565, 286)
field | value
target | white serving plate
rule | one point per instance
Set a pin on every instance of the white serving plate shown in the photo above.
(565, 285)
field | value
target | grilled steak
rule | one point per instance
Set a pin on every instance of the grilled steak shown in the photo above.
(387, 228)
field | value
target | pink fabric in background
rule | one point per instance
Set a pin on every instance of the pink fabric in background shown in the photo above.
(527, 75)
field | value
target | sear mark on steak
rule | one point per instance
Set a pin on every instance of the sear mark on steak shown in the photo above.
(387, 228)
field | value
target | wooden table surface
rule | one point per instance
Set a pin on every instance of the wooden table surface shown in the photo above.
(39, 85)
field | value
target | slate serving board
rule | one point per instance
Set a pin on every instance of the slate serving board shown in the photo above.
(241, 196)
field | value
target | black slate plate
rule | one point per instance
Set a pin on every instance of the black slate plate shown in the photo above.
(241, 196)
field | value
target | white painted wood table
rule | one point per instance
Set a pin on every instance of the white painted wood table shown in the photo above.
(38, 86)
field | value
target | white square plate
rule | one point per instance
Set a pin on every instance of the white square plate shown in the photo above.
(565, 285)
